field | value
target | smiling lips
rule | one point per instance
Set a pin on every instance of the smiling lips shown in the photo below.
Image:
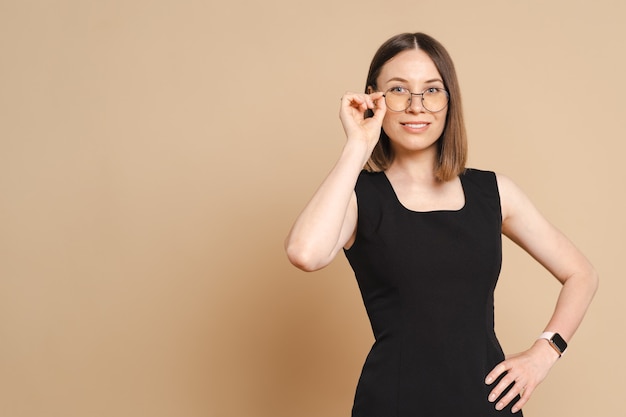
(416, 125)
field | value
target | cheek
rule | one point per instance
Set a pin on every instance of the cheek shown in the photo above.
(441, 120)
(389, 121)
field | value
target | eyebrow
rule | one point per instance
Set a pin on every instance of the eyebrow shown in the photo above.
(406, 81)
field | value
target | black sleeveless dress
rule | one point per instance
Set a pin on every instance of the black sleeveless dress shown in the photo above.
(427, 280)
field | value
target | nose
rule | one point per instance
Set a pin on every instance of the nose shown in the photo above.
(416, 105)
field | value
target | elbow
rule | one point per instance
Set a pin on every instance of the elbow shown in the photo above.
(592, 278)
(588, 281)
(303, 258)
(595, 280)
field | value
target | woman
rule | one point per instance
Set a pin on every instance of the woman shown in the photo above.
(423, 235)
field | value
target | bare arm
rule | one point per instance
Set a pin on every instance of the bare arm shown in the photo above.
(328, 221)
(524, 225)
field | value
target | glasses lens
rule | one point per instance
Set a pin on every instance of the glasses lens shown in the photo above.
(435, 99)
(397, 99)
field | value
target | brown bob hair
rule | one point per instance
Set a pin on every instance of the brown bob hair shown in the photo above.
(452, 144)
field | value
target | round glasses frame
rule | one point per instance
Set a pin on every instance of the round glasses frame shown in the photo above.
(423, 96)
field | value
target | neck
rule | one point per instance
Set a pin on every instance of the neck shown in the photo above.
(418, 167)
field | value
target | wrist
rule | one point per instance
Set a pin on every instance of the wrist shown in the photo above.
(358, 148)
(542, 347)
(554, 341)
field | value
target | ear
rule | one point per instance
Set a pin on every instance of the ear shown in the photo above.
(370, 89)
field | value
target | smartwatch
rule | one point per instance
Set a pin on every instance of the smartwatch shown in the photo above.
(556, 341)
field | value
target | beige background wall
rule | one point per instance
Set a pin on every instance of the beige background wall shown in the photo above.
(153, 155)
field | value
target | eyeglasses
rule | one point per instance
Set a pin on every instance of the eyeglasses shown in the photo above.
(433, 99)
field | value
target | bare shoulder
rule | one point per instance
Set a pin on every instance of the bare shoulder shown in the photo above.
(519, 214)
(512, 198)
(506, 185)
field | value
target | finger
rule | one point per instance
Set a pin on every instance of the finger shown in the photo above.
(371, 101)
(526, 393)
(495, 373)
(352, 100)
(513, 392)
(501, 387)
(380, 110)
(376, 96)
(361, 103)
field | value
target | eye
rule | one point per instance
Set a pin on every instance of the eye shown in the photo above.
(432, 90)
(399, 90)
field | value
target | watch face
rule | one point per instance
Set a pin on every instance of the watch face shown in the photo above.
(559, 342)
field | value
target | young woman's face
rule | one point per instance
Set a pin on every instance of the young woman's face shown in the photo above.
(416, 128)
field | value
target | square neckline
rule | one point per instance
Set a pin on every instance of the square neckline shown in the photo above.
(398, 202)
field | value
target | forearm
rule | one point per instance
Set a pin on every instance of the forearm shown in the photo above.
(316, 235)
(573, 301)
